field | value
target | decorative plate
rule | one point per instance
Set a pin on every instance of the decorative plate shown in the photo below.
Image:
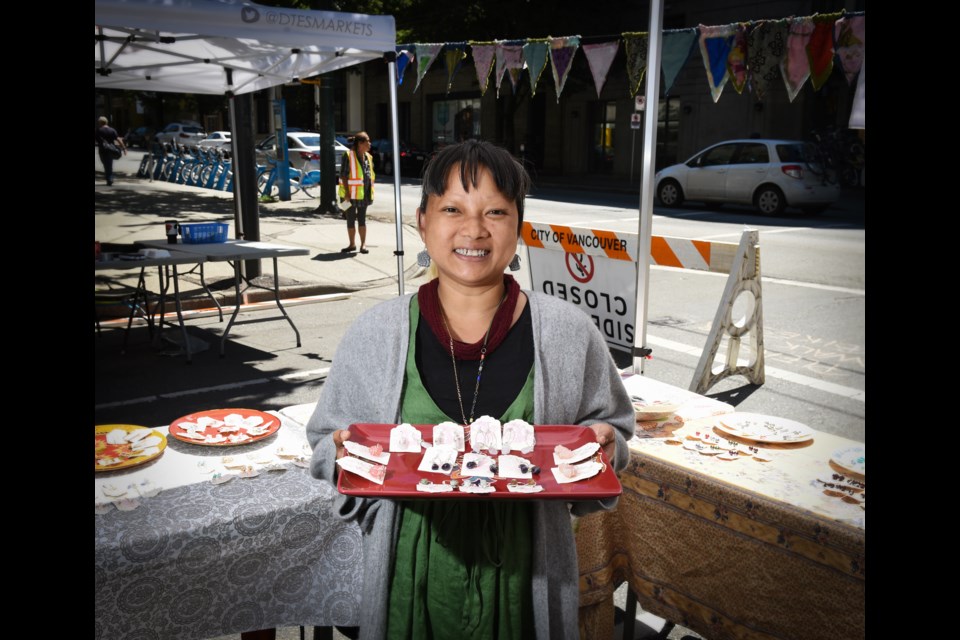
(402, 474)
(224, 427)
(650, 411)
(760, 428)
(110, 456)
(851, 459)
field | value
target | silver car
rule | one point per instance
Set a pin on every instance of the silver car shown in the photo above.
(768, 174)
(183, 134)
(303, 150)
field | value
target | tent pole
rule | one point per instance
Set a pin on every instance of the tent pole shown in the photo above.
(645, 229)
(391, 59)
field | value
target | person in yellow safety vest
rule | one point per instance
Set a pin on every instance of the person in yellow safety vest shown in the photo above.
(356, 183)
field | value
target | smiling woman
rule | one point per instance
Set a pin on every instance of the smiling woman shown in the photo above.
(470, 344)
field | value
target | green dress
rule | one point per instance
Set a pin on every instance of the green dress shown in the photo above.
(463, 566)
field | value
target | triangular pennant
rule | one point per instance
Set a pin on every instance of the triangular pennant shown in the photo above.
(535, 57)
(737, 58)
(404, 58)
(562, 51)
(820, 48)
(795, 66)
(850, 35)
(599, 58)
(766, 46)
(858, 112)
(635, 45)
(453, 55)
(483, 53)
(509, 59)
(715, 45)
(676, 48)
(426, 54)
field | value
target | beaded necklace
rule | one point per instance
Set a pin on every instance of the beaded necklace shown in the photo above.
(453, 359)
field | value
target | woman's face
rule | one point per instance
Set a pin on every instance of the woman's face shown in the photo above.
(471, 236)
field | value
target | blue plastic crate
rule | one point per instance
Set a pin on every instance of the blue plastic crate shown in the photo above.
(204, 232)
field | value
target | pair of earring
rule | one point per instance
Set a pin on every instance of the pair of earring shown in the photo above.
(423, 260)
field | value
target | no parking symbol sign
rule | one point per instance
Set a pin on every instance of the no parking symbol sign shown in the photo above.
(594, 269)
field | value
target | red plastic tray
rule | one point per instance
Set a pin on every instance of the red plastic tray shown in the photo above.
(402, 473)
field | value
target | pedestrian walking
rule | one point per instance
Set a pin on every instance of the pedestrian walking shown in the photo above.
(110, 145)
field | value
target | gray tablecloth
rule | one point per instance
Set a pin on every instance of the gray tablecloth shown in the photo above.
(206, 560)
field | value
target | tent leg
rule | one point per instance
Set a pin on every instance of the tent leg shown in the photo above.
(391, 59)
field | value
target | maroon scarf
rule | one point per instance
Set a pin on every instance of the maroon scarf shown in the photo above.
(429, 303)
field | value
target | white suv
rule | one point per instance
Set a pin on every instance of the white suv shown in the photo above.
(187, 135)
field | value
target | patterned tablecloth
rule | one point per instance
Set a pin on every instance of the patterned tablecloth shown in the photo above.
(729, 548)
(200, 560)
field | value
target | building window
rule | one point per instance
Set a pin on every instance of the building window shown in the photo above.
(455, 121)
(604, 125)
(668, 129)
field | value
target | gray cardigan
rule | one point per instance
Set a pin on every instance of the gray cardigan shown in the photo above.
(576, 382)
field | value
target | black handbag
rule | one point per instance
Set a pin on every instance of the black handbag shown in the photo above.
(111, 150)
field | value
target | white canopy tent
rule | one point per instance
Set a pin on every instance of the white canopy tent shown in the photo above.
(230, 47)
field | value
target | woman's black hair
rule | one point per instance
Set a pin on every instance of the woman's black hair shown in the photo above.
(508, 174)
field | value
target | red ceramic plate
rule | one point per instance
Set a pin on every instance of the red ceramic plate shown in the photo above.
(402, 473)
(271, 422)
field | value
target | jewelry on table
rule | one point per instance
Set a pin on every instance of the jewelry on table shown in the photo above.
(483, 355)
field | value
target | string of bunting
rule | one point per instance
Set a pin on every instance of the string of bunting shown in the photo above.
(745, 55)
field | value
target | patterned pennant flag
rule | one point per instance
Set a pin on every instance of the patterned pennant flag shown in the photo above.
(737, 58)
(858, 112)
(715, 45)
(535, 58)
(599, 58)
(562, 51)
(509, 59)
(636, 46)
(795, 66)
(404, 58)
(453, 55)
(425, 54)
(676, 48)
(850, 35)
(766, 46)
(820, 48)
(483, 53)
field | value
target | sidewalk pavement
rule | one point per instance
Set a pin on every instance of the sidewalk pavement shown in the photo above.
(135, 209)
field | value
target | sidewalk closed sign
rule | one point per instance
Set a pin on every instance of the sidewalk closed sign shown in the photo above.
(594, 269)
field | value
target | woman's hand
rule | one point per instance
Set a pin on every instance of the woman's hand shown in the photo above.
(607, 439)
(338, 438)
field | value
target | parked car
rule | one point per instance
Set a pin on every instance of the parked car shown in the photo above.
(188, 135)
(768, 174)
(412, 158)
(303, 150)
(216, 140)
(139, 137)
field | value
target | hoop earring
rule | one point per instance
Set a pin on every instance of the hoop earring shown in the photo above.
(515, 263)
(423, 259)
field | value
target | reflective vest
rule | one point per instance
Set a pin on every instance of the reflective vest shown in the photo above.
(355, 179)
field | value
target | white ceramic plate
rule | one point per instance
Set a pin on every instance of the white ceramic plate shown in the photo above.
(760, 428)
(852, 459)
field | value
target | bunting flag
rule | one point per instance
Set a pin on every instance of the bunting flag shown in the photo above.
(635, 45)
(715, 45)
(795, 66)
(404, 58)
(562, 51)
(675, 50)
(766, 46)
(509, 60)
(535, 58)
(425, 54)
(820, 51)
(453, 55)
(858, 112)
(599, 58)
(850, 39)
(737, 58)
(483, 53)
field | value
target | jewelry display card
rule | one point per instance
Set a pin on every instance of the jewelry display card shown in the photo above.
(482, 475)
